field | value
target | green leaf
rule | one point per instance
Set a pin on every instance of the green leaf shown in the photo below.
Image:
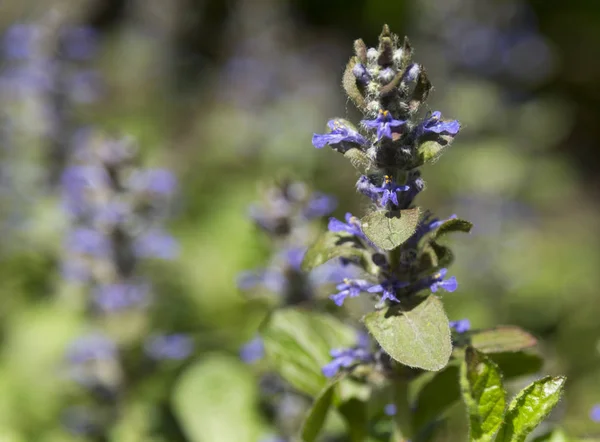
(502, 339)
(209, 394)
(436, 396)
(431, 149)
(452, 225)
(315, 418)
(483, 393)
(515, 364)
(388, 230)
(415, 333)
(354, 412)
(332, 245)
(530, 407)
(437, 393)
(297, 345)
(556, 435)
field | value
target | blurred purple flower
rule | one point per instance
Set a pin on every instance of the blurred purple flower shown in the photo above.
(461, 326)
(80, 43)
(253, 350)
(384, 123)
(390, 409)
(595, 413)
(345, 358)
(20, 40)
(160, 182)
(352, 225)
(169, 347)
(319, 205)
(114, 297)
(92, 347)
(88, 242)
(156, 244)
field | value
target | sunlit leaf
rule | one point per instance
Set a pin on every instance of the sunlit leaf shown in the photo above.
(416, 334)
(530, 407)
(483, 393)
(388, 230)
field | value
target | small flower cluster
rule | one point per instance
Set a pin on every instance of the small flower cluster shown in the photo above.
(117, 212)
(396, 244)
(286, 215)
(45, 73)
(390, 89)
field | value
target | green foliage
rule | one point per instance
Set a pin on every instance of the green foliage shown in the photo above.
(502, 339)
(530, 407)
(416, 333)
(332, 245)
(354, 412)
(388, 230)
(297, 346)
(452, 225)
(210, 394)
(483, 393)
(317, 414)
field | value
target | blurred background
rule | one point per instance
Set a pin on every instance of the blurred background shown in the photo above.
(226, 94)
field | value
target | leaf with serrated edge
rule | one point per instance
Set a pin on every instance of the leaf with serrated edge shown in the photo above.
(414, 335)
(387, 230)
(483, 393)
(502, 339)
(530, 407)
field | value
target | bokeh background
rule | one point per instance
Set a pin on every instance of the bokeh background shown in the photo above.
(227, 93)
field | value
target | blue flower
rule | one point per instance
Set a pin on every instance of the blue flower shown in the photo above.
(352, 225)
(435, 124)
(367, 188)
(176, 346)
(156, 244)
(160, 182)
(461, 326)
(349, 288)
(319, 205)
(345, 358)
(20, 41)
(438, 282)
(115, 297)
(595, 413)
(80, 43)
(361, 73)
(340, 133)
(388, 289)
(89, 242)
(253, 350)
(390, 409)
(389, 191)
(384, 123)
(93, 347)
(272, 279)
